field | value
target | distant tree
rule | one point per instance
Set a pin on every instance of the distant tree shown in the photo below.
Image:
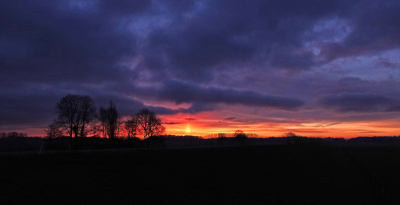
(102, 116)
(148, 123)
(119, 128)
(221, 138)
(54, 130)
(131, 126)
(110, 120)
(67, 109)
(295, 139)
(12, 134)
(75, 112)
(3, 135)
(86, 114)
(96, 130)
(290, 134)
(240, 136)
(16, 135)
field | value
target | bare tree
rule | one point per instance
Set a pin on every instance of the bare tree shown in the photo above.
(240, 136)
(67, 113)
(110, 120)
(16, 135)
(119, 128)
(86, 114)
(54, 130)
(289, 134)
(221, 138)
(148, 123)
(131, 126)
(75, 112)
(103, 121)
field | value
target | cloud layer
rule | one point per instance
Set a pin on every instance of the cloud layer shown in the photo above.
(283, 57)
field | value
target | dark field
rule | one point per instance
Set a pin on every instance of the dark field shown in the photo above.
(383, 163)
(306, 174)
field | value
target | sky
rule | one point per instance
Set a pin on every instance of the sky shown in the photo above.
(315, 68)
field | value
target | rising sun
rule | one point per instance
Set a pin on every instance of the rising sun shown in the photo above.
(187, 128)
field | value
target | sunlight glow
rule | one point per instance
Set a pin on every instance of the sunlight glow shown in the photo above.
(187, 128)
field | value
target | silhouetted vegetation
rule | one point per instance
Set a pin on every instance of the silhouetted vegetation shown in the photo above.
(14, 141)
(240, 136)
(221, 138)
(149, 124)
(381, 140)
(132, 126)
(110, 121)
(288, 164)
(275, 174)
(54, 130)
(75, 113)
(77, 117)
(19, 142)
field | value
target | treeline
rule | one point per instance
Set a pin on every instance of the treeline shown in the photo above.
(78, 118)
(236, 134)
(4, 135)
(375, 140)
(13, 141)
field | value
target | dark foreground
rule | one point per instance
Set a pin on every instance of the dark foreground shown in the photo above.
(229, 175)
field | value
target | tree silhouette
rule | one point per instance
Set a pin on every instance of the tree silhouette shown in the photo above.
(86, 114)
(240, 136)
(102, 116)
(110, 120)
(16, 135)
(221, 138)
(75, 112)
(289, 134)
(67, 111)
(53, 130)
(148, 123)
(131, 126)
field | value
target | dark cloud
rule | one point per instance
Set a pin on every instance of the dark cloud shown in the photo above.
(193, 55)
(187, 93)
(360, 102)
(54, 44)
(243, 31)
(290, 59)
(197, 107)
(229, 118)
(190, 119)
(270, 54)
(123, 7)
(374, 28)
(235, 119)
(172, 123)
(330, 124)
(33, 109)
(386, 63)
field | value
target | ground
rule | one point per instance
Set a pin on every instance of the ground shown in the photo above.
(284, 174)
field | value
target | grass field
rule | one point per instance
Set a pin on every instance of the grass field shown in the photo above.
(383, 163)
(226, 175)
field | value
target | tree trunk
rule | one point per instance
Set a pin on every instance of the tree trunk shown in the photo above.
(70, 137)
(81, 135)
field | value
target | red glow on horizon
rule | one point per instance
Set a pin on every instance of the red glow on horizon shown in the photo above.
(207, 123)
